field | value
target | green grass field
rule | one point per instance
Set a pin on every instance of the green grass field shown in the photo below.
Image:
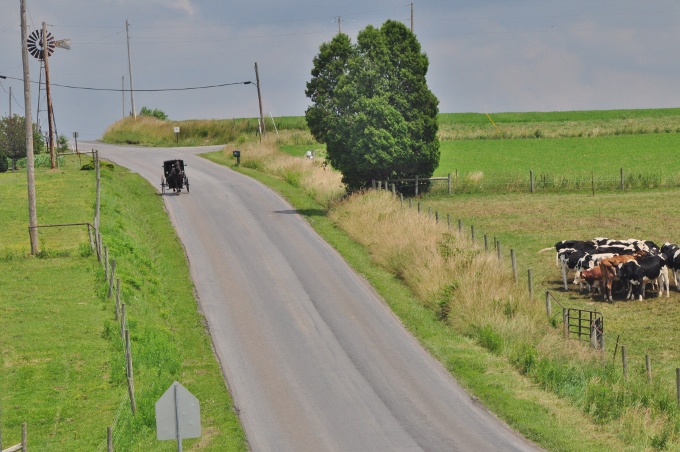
(62, 367)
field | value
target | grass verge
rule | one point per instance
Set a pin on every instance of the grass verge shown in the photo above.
(62, 367)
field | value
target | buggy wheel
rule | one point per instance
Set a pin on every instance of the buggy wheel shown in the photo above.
(186, 183)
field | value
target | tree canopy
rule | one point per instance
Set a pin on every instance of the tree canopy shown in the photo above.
(372, 108)
(13, 138)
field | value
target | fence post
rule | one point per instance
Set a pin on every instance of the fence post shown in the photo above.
(131, 383)
(99, 246)
(624, 360)
(109, 439)
(648, 364)
(416, 185)
(498, 248)
(436, 217)
(394, 189)
(513, 259)
(122, 321)
(117, 298)
(89, 232)
(24, 437)
(449, 181)
(486, 243)
(622, 186)
(472, 233)
(373, 184)
(113, 272)
(418, 207)
(531, 180)
(460, 226)
(548, 304)
(565, 323)
(593, 335)
(106, 262)
(531, 284)
(564, 277)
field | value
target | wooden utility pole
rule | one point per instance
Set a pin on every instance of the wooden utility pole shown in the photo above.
(30, 168)
(339, 24)
(50, 117)
(132, 90)
(123, 91)
(412, 27)
(10, 101)
(259, 98)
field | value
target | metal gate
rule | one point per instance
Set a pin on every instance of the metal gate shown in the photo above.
(586, 325)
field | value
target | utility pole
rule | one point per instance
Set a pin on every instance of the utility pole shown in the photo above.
(412, 28)
(132, 90)
(259, 98)
(339, 24)
(30, 168)
(123, 91)
(10, 101)
(50, 112)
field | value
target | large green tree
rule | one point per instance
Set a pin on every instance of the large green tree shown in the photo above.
(372, 108)
(13, 138)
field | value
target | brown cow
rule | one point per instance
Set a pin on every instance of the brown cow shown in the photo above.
(609, 268)
(591, 277)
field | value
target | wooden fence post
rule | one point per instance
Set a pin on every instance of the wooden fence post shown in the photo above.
(648, 365)
(593, 335)
(89, 232)
(122, 321)
(472, 233)
(486, 243)
(498, 248)
(548, 304)
(106, 262)
(460, 226)
(394, 189)
(109, 439)
(131, 383)
(436, 217)
(565, 323)
(418, 207)
(449, 181)
(624, 360)
(622, 179)
(113, 272)
(513, 259)
(531, 180)
(417, 185)
(531, 284)
(117, 298)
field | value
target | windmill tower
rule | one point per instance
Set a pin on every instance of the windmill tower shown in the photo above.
(41, 45)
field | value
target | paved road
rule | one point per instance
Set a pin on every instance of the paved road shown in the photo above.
(314, 359)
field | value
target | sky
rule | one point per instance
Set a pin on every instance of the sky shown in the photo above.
(486, 56)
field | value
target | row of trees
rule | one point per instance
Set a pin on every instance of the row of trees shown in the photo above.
(372, 106)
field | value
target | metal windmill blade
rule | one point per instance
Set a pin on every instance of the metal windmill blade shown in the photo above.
(35, 44)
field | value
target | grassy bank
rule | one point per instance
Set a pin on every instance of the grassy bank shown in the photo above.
(62, 362)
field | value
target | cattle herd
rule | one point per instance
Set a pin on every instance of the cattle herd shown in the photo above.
(632, 264)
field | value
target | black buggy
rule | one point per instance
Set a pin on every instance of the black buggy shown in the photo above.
(174, 176)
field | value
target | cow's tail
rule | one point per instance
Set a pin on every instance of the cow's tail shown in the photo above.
(546, 249)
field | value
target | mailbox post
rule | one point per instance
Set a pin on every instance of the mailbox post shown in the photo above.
(176, 134)
(237, 154)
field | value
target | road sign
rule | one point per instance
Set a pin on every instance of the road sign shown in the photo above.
(178, 415)
(176, 129)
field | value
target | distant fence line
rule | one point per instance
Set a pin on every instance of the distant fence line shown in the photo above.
(587, 325)
(478, 182)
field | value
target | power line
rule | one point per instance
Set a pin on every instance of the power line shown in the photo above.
(118, 90)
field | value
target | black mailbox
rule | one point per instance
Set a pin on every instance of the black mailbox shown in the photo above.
(237, 153)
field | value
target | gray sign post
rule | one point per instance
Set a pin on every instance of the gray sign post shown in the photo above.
(178, 415)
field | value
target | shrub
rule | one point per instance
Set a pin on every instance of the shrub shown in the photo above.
(156, 113)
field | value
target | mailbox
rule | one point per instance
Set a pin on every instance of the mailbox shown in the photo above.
(237, 153)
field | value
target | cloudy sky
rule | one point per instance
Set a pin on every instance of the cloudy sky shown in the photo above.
(485, 55)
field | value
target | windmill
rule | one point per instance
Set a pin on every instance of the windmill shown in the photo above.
(41, 44)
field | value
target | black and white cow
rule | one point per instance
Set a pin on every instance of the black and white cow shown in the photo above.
(588, 262)
(576, 245)
(643, 270)
(672, 253)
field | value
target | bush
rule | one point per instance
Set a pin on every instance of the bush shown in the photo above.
(4, 163)
(156, 113)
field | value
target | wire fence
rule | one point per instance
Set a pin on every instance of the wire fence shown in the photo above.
(531, 182)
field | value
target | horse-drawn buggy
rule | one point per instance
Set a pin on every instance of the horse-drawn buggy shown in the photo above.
(174, 176)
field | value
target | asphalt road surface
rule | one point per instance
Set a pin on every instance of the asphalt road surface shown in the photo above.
(314, 359)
